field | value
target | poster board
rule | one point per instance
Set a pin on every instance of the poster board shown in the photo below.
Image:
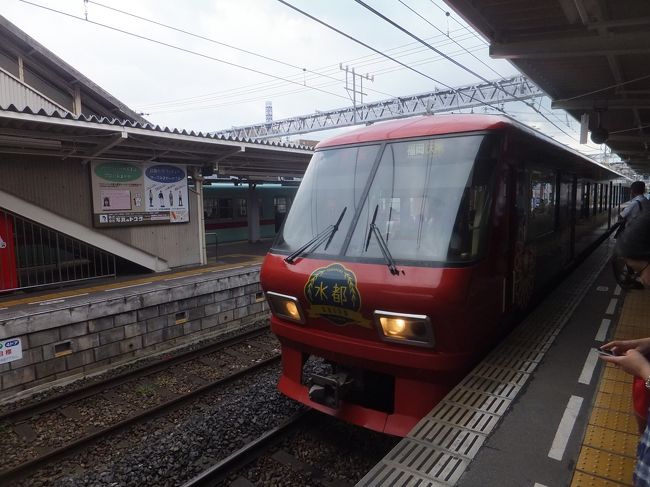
(126, 194)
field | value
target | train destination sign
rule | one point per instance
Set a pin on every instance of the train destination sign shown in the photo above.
(127, 194)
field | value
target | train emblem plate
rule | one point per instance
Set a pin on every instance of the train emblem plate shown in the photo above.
(333, 294)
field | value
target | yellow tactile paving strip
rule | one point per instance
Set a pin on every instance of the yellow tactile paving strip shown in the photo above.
(608, 450)
(251, 260)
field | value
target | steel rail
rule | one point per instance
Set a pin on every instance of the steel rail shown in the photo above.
(55, 402)
(213, 475)
(21, 471)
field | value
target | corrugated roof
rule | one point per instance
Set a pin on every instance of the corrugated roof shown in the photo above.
(91, 138)
(34, 50)
(115, 122)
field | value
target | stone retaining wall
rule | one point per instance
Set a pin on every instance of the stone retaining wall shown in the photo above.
(90, 337)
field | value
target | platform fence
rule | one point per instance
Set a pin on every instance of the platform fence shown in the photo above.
(35, 256)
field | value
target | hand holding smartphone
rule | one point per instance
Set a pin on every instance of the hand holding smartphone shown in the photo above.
(608, 353)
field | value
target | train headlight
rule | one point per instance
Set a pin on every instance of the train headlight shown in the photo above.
(404, 328)
(286, 307)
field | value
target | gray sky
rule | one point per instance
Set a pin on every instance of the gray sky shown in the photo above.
(183, 90)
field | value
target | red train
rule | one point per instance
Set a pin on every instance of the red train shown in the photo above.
(412, 246)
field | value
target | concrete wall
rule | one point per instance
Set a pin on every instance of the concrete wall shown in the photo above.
(63, 187)
(111, 330)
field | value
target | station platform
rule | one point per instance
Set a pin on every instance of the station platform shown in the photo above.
(69, 334)
(541, 410)
(226, 256)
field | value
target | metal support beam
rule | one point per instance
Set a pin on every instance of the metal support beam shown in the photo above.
(504, 90)
(572, 47)
(112, 142)
(601, 103)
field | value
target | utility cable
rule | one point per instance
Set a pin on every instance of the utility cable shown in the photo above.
(183, 106)
(383, 54)
(178, 48)
(267, 85)
(173, 109)
(640, 78)
(463, 26)
(198, 36)
(460, 45)
(460, 65)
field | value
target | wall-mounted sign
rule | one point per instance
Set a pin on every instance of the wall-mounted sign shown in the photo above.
(10, 349)
(139, 194)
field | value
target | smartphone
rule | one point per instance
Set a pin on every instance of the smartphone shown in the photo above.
(606, 352)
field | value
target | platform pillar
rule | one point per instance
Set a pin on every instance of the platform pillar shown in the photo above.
(253, 214)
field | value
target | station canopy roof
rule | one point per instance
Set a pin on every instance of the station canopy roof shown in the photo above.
(589, 56)
(90, 138)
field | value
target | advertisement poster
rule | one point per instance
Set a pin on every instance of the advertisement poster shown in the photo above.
(127, 194)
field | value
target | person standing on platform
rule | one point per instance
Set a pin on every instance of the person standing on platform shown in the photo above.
(632, 355)
(637, 205)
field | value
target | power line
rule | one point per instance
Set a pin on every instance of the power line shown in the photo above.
(182, 49)
(460, 65)
(378, 52)
(439, 30)
(463, 26)
(183, 104)
(198, 36)
(145, 19)
(264, 85)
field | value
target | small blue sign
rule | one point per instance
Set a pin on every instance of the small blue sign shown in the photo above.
(163, 173)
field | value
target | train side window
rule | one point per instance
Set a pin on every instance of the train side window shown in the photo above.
(225, 208)
(541, 212)
(565, 193)
(242, 207)
(280, 204)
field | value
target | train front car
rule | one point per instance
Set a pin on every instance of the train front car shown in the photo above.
(381, 276)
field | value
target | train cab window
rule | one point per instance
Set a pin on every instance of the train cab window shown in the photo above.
(330, 190)
(541, 210)
(429, 199)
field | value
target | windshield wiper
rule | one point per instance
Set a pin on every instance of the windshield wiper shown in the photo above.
(328, 234)
(373, 229)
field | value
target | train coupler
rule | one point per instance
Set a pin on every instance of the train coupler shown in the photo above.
(329, 390)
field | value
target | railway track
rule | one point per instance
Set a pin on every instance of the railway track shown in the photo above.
(308, 448)
(219, 472)
(242, 359)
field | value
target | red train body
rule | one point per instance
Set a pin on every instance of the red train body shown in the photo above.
(411, 247)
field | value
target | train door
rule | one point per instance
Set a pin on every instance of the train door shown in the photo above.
(509, 245)
(572, 217)
(523, 260)
(8, 272)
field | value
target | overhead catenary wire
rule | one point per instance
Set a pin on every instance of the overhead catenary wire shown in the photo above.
(268, 85)
(460, 65)
(463, 26)
(451, 38)
(182, 107)
(172, 46)
(354, 39)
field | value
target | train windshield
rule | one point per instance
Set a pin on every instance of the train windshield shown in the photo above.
(335, 180)
(431, 198)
